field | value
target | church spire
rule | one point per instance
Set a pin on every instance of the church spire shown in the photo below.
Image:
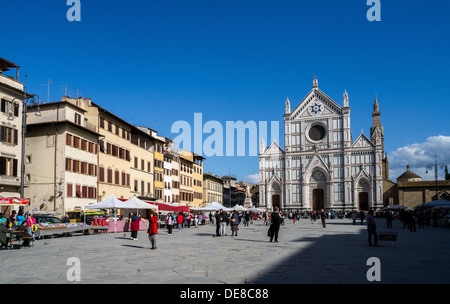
(345, 99)
(376, 128)
(287, 106)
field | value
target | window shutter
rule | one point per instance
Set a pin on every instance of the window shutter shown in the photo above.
(69, 190)
(15, 167)
(16, 136)
(16, 110)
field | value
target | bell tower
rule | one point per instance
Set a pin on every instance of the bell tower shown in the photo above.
(377, 128)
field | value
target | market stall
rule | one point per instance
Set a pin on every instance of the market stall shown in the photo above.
(111, 202)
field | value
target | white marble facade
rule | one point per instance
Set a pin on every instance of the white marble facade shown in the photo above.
(321, 166)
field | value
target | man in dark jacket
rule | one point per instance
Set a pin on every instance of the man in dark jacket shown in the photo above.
(217, 216)
(3, 231)
(275, 219)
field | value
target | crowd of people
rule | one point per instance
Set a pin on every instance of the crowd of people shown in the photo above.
(21, 224)
(24, 224)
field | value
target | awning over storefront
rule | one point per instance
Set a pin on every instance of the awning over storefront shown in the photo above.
(7, 201)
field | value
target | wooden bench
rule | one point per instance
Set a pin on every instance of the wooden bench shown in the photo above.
(13, 239)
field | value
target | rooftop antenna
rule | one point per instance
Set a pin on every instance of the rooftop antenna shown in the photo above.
(65, 89)
(48, 89)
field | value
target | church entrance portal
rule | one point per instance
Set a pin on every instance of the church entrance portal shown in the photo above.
(276, 201)
(318, 199)
(363, 198)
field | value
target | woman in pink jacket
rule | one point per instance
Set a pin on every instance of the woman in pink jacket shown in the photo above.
(153, 228)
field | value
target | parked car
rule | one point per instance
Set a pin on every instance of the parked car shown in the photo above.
(47, 219)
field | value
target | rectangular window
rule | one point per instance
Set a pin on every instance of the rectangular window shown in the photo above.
(102, 174)
(124, 179)
(78, 119)
(110, 181)
(68, 139)
(83, 144)
(69, 190)
(8, 166)
(68, 164)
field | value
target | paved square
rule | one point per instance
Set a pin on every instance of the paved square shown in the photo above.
(306, 253)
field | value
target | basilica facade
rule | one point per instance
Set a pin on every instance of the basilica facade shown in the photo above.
(322, 167)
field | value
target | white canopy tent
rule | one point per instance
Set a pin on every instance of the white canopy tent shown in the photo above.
(214, 206)
(239, 208)
(111, 202)
(135, 203)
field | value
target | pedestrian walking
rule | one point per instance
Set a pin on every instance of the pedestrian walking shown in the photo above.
(188, 219)
(354, 216)
(31, 221)
(234, 223)
(361, 216)
(421, 219)
(12, 221)
(275, 220)
(217, 218)
(412, 222)
(134, 219)
(203, 219)
(323, 216)
(196, 220)
(247, 218)
(223, 219)
(389, 219)
(153, 228)
(372, 229)
(180, 219)
(169, 223)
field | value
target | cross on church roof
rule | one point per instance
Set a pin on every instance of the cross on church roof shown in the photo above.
(315, 82)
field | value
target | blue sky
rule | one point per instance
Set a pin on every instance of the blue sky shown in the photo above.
(157, 62)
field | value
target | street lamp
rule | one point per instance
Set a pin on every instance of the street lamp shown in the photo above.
(35, 100)
(436, 166)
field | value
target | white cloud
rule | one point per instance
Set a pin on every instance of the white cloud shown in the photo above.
(419, 155)
(253, 178)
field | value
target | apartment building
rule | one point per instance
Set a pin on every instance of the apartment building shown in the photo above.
(168, 158)
(186, 188)
(61, 154)
(11, 96)
(156, 147)
(212, 189)
(174, 175)
(195, 175)
(125, 158)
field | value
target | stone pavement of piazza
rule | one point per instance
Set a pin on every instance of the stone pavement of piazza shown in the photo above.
(306, 254)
